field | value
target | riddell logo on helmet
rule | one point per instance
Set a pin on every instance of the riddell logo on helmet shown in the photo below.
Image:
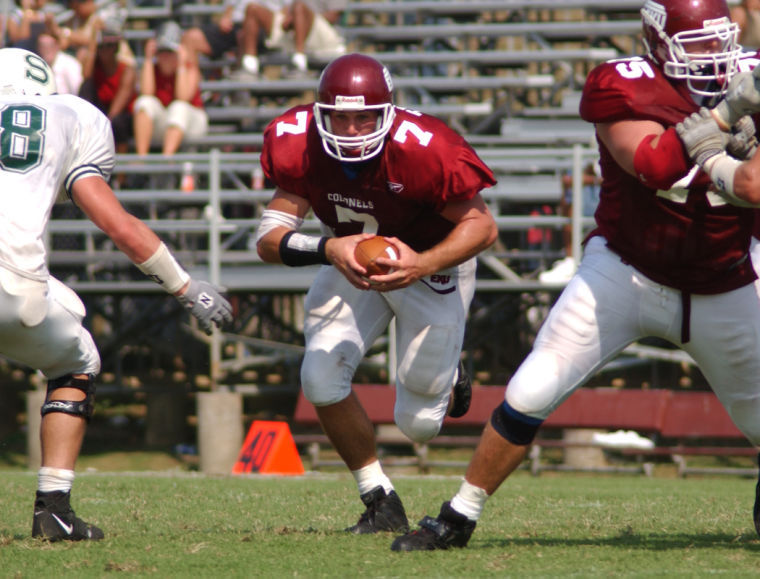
(722, 21)
(350, 101)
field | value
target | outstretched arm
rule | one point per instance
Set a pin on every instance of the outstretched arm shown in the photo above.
(143, 247)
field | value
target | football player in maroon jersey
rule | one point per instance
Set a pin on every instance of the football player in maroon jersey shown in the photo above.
(669, 256)
(365, 168)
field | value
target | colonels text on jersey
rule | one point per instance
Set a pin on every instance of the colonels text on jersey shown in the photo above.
(423, 165)
(681, 235)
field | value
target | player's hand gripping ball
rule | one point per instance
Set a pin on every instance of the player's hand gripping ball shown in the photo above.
(368, 250)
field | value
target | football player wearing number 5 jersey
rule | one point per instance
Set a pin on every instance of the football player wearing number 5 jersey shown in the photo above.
(365, 168)
(669, 256)
(55, 147)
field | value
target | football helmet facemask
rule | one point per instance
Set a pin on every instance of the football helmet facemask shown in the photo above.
(693, 41)
(24, 73)
(354, 82)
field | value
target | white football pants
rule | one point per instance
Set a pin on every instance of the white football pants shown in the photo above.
(342, 322)
(41, 327)
(609, 305)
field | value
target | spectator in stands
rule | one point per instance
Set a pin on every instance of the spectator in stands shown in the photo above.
(41, 318)
(669, 257)
(537, 238)
(223, 35)
(564, 269)
(66, 68)
(746, 14)
(76, 34)
(261, 19)
(110, 83)
(338, 159)
(309, 28)
(27, 21)
(169, 107)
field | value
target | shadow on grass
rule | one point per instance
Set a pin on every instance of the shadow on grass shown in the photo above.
(648, 542)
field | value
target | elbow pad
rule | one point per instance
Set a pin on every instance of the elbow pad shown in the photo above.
(663, 165)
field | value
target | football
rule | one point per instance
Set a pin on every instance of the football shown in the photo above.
(370, 249)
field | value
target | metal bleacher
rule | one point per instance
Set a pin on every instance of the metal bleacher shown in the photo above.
(224, 186)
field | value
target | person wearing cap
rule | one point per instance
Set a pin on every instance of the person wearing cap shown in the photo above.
(169, 106)
(110, 83)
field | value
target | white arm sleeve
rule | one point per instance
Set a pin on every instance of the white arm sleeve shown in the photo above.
(272, 219)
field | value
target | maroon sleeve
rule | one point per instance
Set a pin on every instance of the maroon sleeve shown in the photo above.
(282, 156)
(633, 89)
(434, 162)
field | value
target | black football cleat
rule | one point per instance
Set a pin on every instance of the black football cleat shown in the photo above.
(756, 509)
(461, 394)
(54, 520)
(384, 513)
(448, 529)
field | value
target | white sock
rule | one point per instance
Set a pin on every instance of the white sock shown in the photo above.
(371, 476)
(300, 62)
(54, 479)
(469, 501)
(250, 63)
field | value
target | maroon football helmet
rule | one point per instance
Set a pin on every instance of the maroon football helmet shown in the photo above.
(354, 82)
(693, 41)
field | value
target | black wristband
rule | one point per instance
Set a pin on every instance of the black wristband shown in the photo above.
(297, 249)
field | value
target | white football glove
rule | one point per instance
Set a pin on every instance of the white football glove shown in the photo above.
(701, 136)
(742, 142)
(742, 97)
(207, 304)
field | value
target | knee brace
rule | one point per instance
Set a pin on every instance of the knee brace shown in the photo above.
(83, 408)
(514, 426)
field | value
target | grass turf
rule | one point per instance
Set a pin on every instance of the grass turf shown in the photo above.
(571, 525)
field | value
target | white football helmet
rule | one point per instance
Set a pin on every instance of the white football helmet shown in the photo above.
(24, 73)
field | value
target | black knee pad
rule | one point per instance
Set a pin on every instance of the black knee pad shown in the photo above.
(83, 408)
(514, 426)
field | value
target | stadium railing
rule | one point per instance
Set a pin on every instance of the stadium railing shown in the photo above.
(223, 184)
(576, 30)
(286, 86)
(442, 6)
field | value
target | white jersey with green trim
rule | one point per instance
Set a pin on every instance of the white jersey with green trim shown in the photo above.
(46, 144)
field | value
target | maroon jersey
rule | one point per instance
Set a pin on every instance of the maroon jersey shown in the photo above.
(399, 193)
(685, 237)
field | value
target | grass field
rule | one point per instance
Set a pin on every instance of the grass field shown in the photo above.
(180, 524)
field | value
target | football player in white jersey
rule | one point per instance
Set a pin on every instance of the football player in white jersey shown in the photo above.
(53, 147)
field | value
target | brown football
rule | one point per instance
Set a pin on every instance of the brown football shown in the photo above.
(368, 250)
